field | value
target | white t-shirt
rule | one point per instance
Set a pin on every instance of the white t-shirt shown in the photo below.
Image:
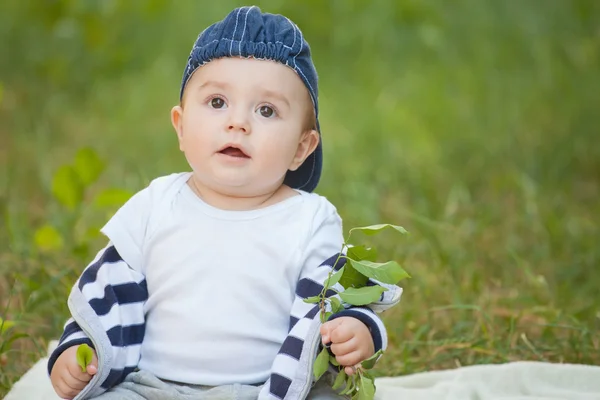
(221, 283)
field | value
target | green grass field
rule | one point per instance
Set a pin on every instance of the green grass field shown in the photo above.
(473, 124)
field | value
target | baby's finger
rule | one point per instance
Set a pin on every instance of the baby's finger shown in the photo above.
(64, 391)
(59, 389)
(74, 382)
(341, 349)
(75, 371)
(351, 370)
(349, 359)
(92, 368)
(327, 328)
(342, 333)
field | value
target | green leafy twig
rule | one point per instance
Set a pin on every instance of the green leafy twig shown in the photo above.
(353, 276)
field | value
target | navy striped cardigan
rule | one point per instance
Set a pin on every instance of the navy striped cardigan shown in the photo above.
(108, 286)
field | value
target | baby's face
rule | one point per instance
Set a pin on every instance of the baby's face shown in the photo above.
(242, 124)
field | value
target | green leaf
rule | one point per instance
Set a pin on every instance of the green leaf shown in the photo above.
(362, 253)
(1, 92)
(67, 187)
(339, 380)
(84, 356)
(312, 300)
(350, 385)
(321, 364)
(5, 325)
(335, 278)
(352, 278)
(370, 362)
(112, 197)
(367, 374)
(336, 305)
(366, 388)
(374, 229)
(389, 272)
(362, 296)
(88, 166)
(333, 361)
(48, 238)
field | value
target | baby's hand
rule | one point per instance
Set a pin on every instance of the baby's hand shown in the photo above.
(66, 376)
(350, 339)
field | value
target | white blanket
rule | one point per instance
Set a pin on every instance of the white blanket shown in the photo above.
(512, 381)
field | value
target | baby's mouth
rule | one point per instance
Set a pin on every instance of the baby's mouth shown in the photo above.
(234, 152)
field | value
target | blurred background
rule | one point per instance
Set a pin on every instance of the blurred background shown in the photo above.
(472, 123)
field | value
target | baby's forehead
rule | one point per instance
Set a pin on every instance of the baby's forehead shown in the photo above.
(251, 75)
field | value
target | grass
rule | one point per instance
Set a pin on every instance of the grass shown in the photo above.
(471, 123)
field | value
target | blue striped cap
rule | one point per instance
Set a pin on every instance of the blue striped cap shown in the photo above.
(248, 32)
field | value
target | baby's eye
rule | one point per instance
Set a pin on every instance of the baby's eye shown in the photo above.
(217, 102)
(266, 111)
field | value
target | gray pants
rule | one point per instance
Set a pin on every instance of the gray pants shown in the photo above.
(143, 385)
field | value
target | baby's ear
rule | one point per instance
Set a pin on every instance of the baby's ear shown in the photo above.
(307, 144)
(177, 122)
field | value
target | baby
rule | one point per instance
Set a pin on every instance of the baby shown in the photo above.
(199, 292)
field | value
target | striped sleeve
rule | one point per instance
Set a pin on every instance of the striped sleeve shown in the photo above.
(117, 294)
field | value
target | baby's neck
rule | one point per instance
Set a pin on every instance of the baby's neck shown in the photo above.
(230, 202)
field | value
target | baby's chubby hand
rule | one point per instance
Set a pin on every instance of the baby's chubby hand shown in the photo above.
(67, 377)
(350, 340)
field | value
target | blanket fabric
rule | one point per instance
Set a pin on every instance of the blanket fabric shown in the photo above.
(512, 381)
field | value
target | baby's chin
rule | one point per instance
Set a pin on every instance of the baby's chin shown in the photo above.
(238, 187)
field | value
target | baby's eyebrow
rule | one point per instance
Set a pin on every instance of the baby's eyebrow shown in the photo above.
(275, 95)
(217, 84)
